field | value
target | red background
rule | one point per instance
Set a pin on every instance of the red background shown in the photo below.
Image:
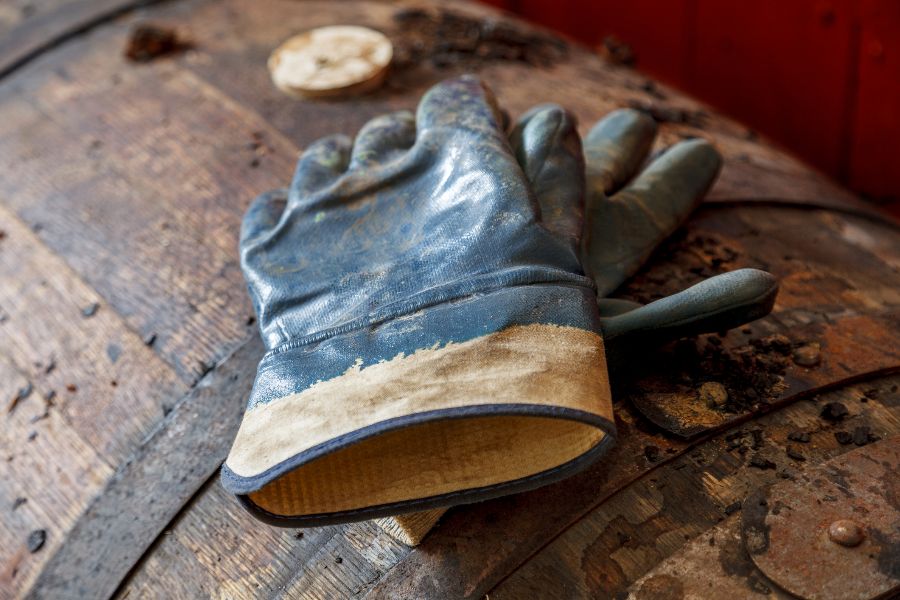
(820, 77)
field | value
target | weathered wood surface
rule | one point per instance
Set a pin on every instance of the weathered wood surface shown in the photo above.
(124, 185)
(31, 27)
(96, 389)
(641, 525)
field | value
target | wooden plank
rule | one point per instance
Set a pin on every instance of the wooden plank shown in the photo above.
(46, 481)
(651, 520)
(589, 87)
(88, 151)
(151, 486)
(715, 560)
(752, 170)
(35, 27)
(96, 390)
(217, 546)
(99, 370)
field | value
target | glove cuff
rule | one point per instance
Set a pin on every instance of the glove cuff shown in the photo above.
(482, 397)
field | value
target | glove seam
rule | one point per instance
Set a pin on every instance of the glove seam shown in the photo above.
(450, 296)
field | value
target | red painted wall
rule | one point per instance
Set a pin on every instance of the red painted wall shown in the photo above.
(822, 77)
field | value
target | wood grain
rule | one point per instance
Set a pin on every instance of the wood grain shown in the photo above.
(87, 169)
(96, 392)
(641, 526)
(150, 488)
(217, 548)
(47, 481)
(29, 28)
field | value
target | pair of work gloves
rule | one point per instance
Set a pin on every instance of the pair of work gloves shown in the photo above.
(433, 298)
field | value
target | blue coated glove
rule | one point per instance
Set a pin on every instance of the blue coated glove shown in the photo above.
(629, 212)
(432, 337)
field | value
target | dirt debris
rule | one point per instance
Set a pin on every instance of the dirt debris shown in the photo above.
(650, 88)
(794, 453)
(744, 440)
(259, 148)
(651, 453)
(748, 377)
(148, 42)
(732, 508)
(808, 355)
(36, 540)
(617, 52)
(20, 395)
(713, 394)
(681, 261)
(834, 412)
(448, 39)
(760, 462)
(799, 436)
(662, 113)
(843, 437)
(863, 435)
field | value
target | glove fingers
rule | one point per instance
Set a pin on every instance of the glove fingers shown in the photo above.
(262, 215)
(383, 139)
(716, 304)
(615, 148)
(626, 228)
(461, 103)
(672, 186)
(320, 165)
(548, 148)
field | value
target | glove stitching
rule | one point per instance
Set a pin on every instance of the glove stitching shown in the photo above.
(390, 312)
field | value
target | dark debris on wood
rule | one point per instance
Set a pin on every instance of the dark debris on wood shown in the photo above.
(448, 39)
(36, 540)
(148, 42)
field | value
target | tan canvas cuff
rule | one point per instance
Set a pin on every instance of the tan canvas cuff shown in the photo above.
(508, 407)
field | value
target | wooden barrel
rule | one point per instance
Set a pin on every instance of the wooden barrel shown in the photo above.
(129, 345)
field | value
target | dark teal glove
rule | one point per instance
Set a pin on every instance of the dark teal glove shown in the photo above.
(627, 217)
(432, 337)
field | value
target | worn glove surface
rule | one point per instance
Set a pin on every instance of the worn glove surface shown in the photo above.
(630, 211)
(432, 337)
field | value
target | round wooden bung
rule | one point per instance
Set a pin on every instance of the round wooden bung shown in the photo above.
(338, 60)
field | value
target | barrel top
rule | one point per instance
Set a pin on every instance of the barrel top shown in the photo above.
(128, 343)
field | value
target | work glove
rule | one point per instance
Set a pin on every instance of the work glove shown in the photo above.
(432, 338)
(629, 212)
